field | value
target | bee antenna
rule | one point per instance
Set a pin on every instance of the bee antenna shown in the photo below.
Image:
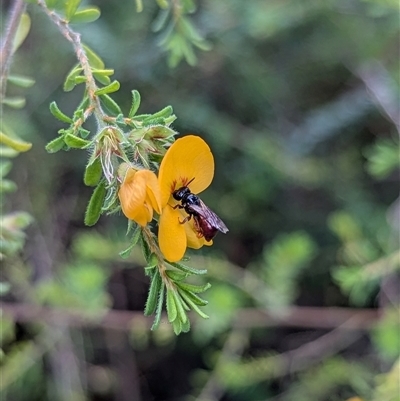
(190, 181)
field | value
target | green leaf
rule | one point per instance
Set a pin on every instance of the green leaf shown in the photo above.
(6, 151)
(103, 79)
(179, 306)
(54, 4)
(57, 113)
(350, 280)
(169, 120)
(7, 185)
(139, 6)
(187, 50)
(131, 225)
(162, 3)
(112, 87)
(149, 271)
(120, 119)
(177, 326)
(189, 6)
(134, 240)
(94, 60)
(15, 144)
(193, 305)
(135, 103)
(160, 20)
(344, 225)
(152, 261)
(55, 145)
(16, 102)
(172, 311)
(383, 158)
(21, 80)
(69, 82)
(164, 113)
(386, 333)
(70, 8)
(185, 327)
(195, 298)
(153, 121)
(93, 173)
(86, 15)
(160, 304)
(4, 288)
(80, 79)
(141, 117)
(76, 142)
(194, 288)
(93, 210)
(22, 31)
(188, 269)
(145, 248)
(5, 168)
(103, 76)
(111, 105)
(153, 295)
(17, 220)
(106, 72)
(176, 275)
(84, 133)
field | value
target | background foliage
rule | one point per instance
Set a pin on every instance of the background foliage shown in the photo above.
(299, 103)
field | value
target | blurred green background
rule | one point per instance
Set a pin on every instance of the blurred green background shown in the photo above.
(299, 102)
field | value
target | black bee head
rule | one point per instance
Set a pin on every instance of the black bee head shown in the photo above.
(180, 193)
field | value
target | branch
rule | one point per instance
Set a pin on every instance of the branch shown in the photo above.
(246, 318)
(382, 88)
(113, 319)
(308, 317)
(347, 325)
(6, 52)
(75, 39)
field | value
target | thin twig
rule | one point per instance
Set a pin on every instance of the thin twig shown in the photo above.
(6, 53)
(75, 39)
(382, 88)
(246, 318)
(276, 366)
(154, 248)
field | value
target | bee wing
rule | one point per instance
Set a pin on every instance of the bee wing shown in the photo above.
(206, 213)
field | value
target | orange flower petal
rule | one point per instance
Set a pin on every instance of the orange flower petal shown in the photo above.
(152, 189)
(171, 235)
(132, 193)
(142, 215)
(139, 194)
(187, 158)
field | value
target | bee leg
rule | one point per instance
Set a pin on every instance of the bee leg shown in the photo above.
(199, 233)
(177, 206)
(187, 218)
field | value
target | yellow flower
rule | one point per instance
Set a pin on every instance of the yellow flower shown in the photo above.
(188, 162)
(139, 194)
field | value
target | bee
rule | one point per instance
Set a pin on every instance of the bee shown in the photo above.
(206, 222)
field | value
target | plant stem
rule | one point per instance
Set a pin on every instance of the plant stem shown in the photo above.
(6, 52)
(75, 39)
(149, 237)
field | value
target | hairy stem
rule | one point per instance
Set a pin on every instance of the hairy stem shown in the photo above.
(75, 39)
(149, 237)
(6, 53)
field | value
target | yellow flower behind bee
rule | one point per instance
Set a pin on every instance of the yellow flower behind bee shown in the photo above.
(139, 194)
(188, 158)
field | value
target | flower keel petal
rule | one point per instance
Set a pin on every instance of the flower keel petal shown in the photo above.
(171, 235)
